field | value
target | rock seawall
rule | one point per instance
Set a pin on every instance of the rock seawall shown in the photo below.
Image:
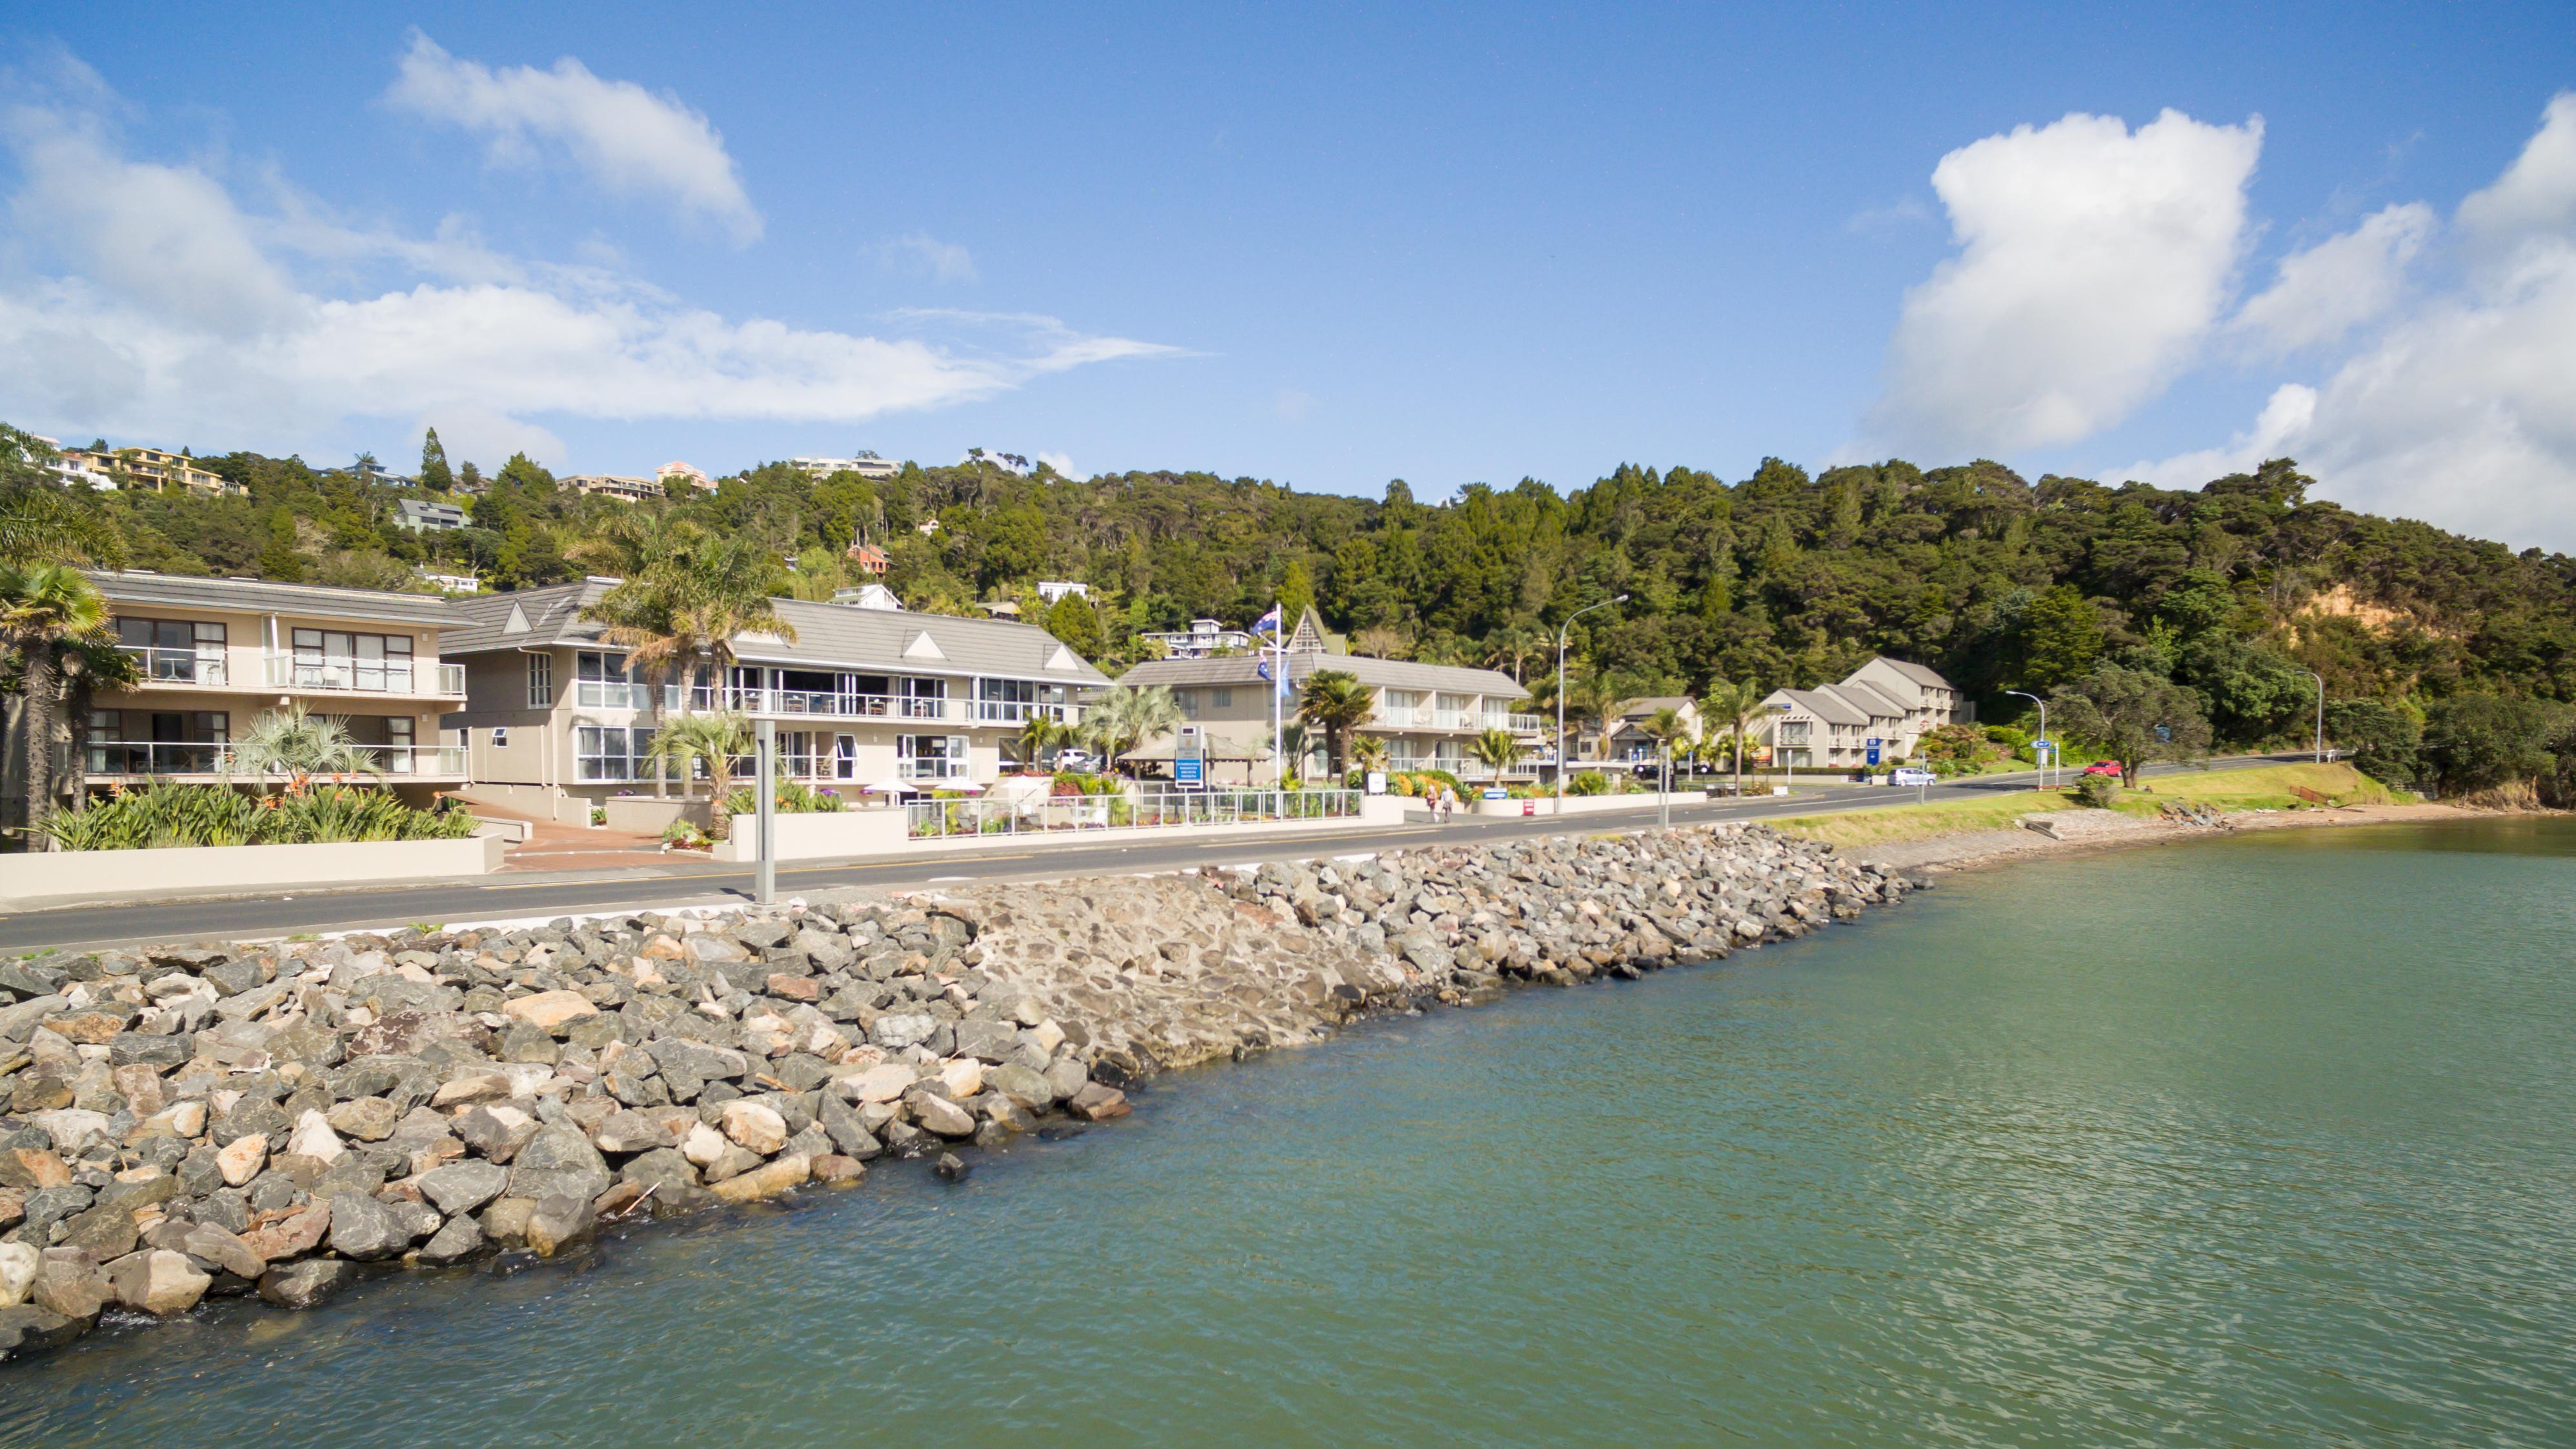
(279, 1118)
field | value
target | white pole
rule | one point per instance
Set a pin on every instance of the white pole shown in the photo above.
(2048, 747)
(2321, 713)
(1565, 633)
(765, 732)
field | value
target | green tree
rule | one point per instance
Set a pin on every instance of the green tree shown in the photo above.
(48, 611)
(2131, 718)
(719, 740)
(682, 612)
(2379, 737)
(1335, 702)
(290, 743)
(1496, 750)
(2484, 742)
(279, 558)
(2059, 637)
(1076, 624)
(1730, 708)
(1296, 593)
(1126, 715)
(41, 523)
(434, 472)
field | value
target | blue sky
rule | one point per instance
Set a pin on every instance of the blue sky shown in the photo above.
(1324, 245)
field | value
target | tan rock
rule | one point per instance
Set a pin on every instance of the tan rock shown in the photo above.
(550, 1010)
(142, 1089)
(160, 1282)
(187, 1119)
(291, 1237)
(883, 1083)
(964, 1077)
(314, 1138)
(756, 1126)
(369, 1119)
(767, 1180)
(1048, 1035)
(242, 1161)
(702, 1145)
(480, 1087)
(41, 1168)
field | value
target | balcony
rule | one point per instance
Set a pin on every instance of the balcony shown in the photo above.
(1403, 716)
(176, 666)
(932, 771)
(1519, 724)
(142, 759)
(340, 674)
(1012, 712)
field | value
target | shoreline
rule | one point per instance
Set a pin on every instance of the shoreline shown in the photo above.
(287, 1118)
(2091, 831)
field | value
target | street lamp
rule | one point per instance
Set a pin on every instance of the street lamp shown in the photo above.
(2321, 713)
(2047, 745)
(1565, 632)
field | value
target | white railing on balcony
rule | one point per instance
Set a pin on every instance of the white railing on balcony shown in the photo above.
(616, 694)
(451, 679)
(1519, 724)
(164, 757)
(1402, 716)
(362, 676)
(1041, 814)
(1012, 711)
(1449, 719)
(175, 666)
(930, 770)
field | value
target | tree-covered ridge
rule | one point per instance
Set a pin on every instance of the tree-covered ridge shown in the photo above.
(2233, 589)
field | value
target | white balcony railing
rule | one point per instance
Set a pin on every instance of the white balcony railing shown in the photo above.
(1519, 724)
(176, 666)
(1449, 719)
(339, 673)
(144, 758)
(932, 770)
(1402, 716)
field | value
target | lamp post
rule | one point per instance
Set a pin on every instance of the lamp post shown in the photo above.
(1564, 633)
(764, 733)
(2321, 713)
(2047, 745)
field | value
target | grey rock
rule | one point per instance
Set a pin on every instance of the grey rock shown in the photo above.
(419, 1220)
(697, 1060)
(850, 1135)
(895, 1031)
(459, 1240)
(308, 1284)
(558, 1220)
(493, 1137)
(625, 1132)
(461, 1187)
(363, 1230)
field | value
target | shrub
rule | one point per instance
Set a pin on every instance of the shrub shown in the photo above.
(1075, 782)
(1590, 782)
(792, 797)
(2097, 791)
(162, 817)
(685, 835)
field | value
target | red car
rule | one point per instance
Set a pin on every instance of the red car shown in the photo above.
(2102, 767)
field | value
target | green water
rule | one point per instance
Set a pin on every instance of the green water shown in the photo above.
(2260, 1141)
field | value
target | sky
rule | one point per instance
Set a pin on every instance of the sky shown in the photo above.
(1325, 245)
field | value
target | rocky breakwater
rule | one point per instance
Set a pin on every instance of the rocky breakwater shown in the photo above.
(278, 1119)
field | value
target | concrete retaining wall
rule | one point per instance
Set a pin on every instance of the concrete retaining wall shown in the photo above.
(644, 815)
(1586, 804)
(93, 873)
(881, 832)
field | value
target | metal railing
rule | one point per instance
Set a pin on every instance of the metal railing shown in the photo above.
(1038, 814)
(339, 673)
(144, 758)
(1519, 724)
(919, 769)
(176, 666)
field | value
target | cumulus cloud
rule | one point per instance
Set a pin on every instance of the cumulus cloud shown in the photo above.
(2093, 262)
(2339, 284)
(1062, 463)
(218, 329)
(629, 140)
(2459, 409)
(922, 253)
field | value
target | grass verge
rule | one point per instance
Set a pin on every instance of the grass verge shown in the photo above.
(2271, 787)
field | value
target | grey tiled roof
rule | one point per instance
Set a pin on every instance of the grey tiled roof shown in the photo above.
(1876, 701)
(828, 636)
(1377, 673)
(1922, 674)
(144, 589)
(1829, 707)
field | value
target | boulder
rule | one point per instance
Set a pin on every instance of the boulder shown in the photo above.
(29, 1329)
(937, 1114)
(159, 1282)
(552, 1012)
(1097, 1103)
(768, 1180)
(627, 1132)
(364, 1229)
(850, 1135)
(208, 1243)
(702, 1145)
(103, 1232)
(461, 1187)
(242, 1161)
(308, 1284)
(368, 1119)
(895, 1031)
(291, 1237)
(314, 1138)
(756, 1126)
(68, 1282)
(882, 1083)
(496, 1132)
(17, 1272)
(461, 1239)
(557, 1220)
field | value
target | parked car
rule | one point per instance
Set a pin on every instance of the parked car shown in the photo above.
(2103, 767)
(1073, 760)
(1911, 776)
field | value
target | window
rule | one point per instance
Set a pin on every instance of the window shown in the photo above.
(925, 698)
(336, 659)
(399, 738)
(1188, 699)
(541, 681)
(174, 651)
(1005, 701)
(611, 752)
(1224, 698)
(930, 757)
(606, 682)
(159, 742)
(500, 737)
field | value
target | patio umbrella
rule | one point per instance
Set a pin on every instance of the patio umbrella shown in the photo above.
(893, 785)
(964, 787)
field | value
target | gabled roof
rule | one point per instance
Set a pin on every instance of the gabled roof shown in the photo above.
(143, 589)
(1922, 676)
(1376, 673)
(1825, 705)
(1876, 701)
(828, 636)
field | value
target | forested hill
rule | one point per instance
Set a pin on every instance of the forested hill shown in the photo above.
(1783, 578)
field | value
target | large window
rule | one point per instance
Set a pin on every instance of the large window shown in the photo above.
(157, 742)
(924, 698)
(930, 757)
(335, 659)
(541, 681)
(607, 681)
(612, 753)
(174, 651)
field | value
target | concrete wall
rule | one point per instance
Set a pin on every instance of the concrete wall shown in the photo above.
(1586, 804)
(644, 815)
(104, 873)
(545, 802)
(881, 832)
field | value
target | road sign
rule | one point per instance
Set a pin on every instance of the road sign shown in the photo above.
(1873, 752)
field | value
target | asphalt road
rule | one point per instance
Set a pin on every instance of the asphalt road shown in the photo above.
(697, 883)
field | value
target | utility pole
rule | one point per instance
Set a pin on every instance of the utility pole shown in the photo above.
(1564, 633)
(2321, 713)
(2047, 746)
(764, 733)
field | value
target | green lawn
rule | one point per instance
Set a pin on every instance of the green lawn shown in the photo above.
(2269, 787)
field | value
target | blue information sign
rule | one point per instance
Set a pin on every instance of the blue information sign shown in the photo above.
(1187, 772)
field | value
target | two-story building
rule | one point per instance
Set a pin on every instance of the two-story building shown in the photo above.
(610, 485)
(1204, 639)
(1426, 713)
(1629, 741)
(156, 468)
(214, 654)
(1875, 716)
(557, 719)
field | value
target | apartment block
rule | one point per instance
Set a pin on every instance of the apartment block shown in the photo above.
(1426, 713)
(608, 485)
(557, 719)
(215, 654)
(427, 515)
(1884, 707)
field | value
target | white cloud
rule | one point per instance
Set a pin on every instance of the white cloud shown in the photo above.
(628, 139)
(211, 332)
(2339, 284)
(926, 254)
(1062, 463)
(1293, 405)
(2093, 262)
(2460, 411)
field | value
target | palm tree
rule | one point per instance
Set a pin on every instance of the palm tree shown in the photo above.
(1730, 709)
(47, 611)
(1335, 702)
(721, 741)
(1125, 715)
(1597, 700)
(1665, 727)
(42, 524)
(1037, 735)
(299, 746)
(1369, 752)
(634, 542)
(1516, 645)
(685, 610)
(1496, 750)
(89, 665)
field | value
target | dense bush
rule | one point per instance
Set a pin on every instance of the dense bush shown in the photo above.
(2097, 791)
(792, 797)
(1075, 782)
(170, 816)
(1590, 782)
(2480, 742)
